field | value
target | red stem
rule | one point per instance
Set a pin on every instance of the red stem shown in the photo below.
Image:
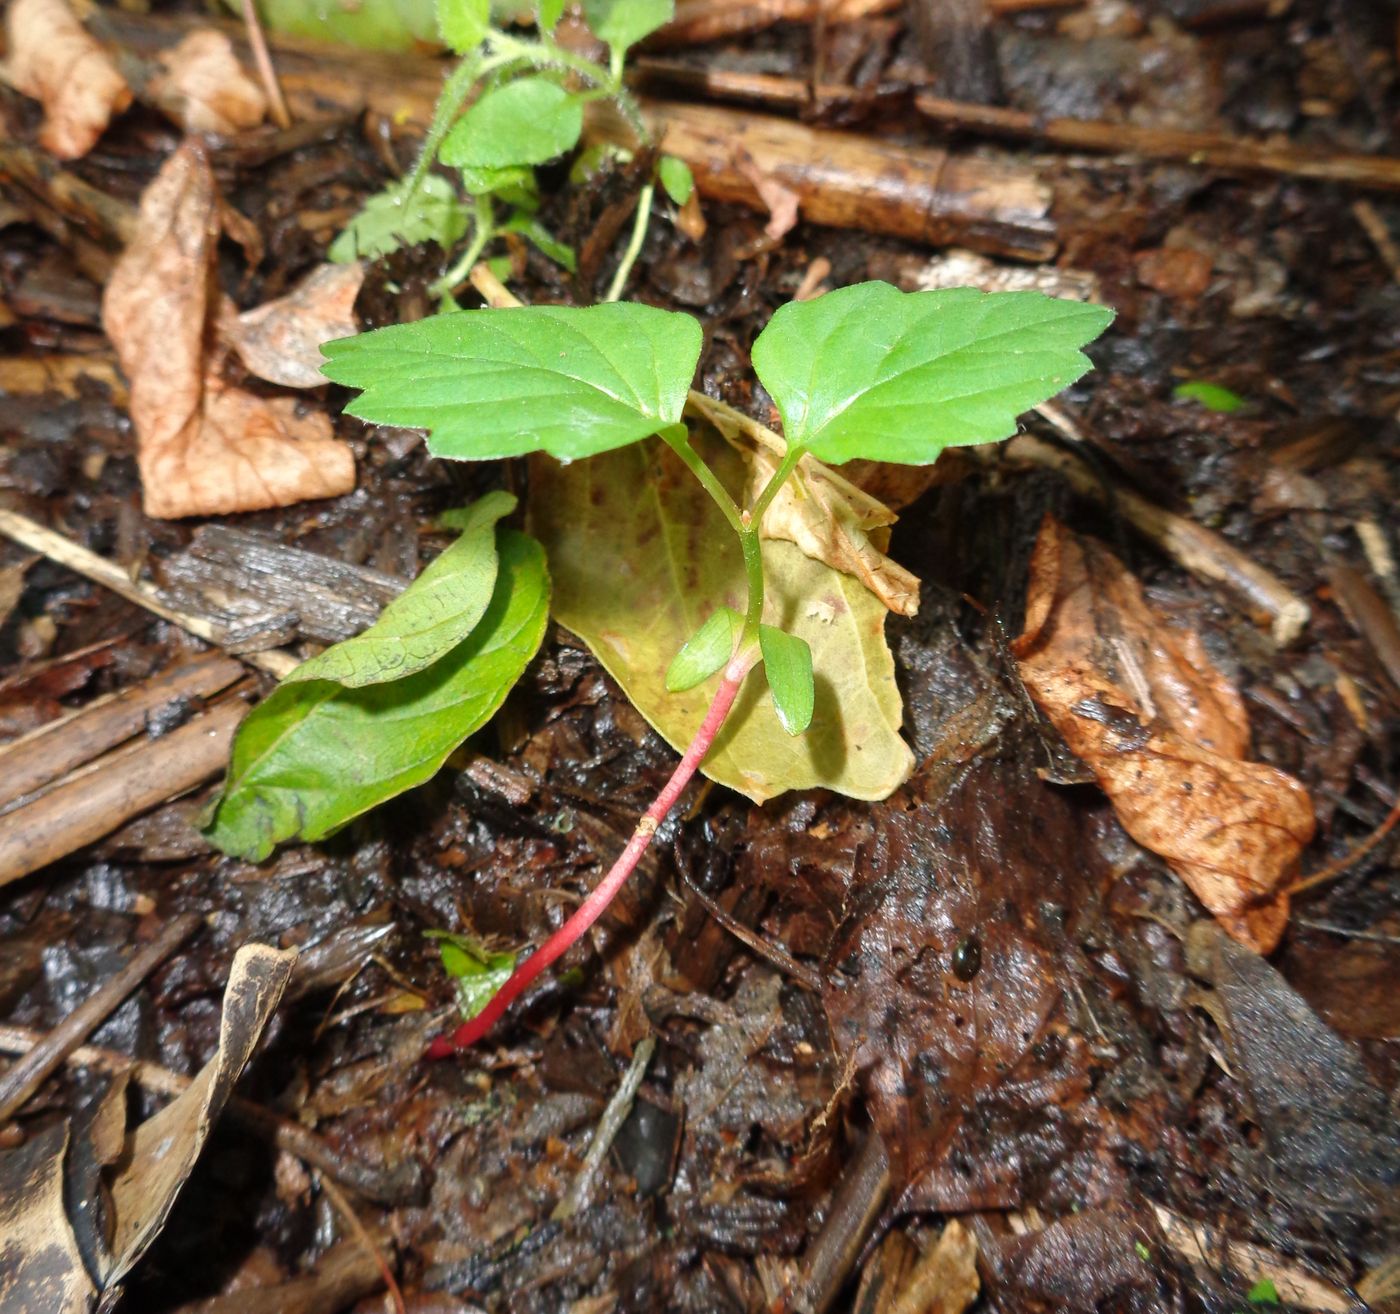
(592, 907)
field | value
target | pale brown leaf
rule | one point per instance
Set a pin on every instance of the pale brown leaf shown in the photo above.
(203, 88)
(203, 448)
(281, 340)
(779, 199)
(1164, 733)
(53, 59)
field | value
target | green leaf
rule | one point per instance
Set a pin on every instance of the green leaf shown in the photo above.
(1263, 1292)
(496, 383)
(429, 618)
(640, 555)
(389, 222)
(314, 755)
(676, 178)
(463, 23)
(869, 371)
(1211, 395)
(787, 660)
(371, 24)
(476, 972)
(622, 23)
(527, 121)
(548, 13)
(528, 226)
(513, 181)
(705, 651)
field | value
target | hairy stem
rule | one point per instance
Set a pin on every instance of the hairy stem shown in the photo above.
(592, 907)
(483, 231)
(634, 243)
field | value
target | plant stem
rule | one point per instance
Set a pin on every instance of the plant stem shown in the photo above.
(634, 243)
(450, 100)
(677, 438)
(592, 907)
(483, 232)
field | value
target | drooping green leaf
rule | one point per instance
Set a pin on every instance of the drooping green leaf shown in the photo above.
(390, 220)
(705, 651)
(676, 178)
(622, 23)
(497, 383)
(429, 618)
(528, 226)
(476, 972)
(463, 23)
(1210, 395)
(527, 121)
(787, 661)
(314, 755)
(869, 371)
(640, 556)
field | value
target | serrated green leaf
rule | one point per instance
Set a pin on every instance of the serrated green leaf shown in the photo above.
(314, 755)
(476, 972)
(787, 661)
(640, 556)
(463, 23)
(548, 13)
(390, 221)
(869, 371)
(676, 178)
(705, 651)
(527, 121)
(430, 617)
(496, 383)
(622, 23)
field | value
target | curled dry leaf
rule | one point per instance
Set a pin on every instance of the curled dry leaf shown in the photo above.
(824, 514)
(1164, 733)
(202, 86)
(203, 448)
(281, 341)
(53, 59)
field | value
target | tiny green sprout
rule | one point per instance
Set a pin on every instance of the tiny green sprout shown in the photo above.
(1263, 1292)
(1210, 395)
(1143, 1253)
(476, 973)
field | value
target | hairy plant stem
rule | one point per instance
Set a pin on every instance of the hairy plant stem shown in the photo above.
(483, 230)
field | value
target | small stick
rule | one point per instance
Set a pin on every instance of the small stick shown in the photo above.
(581, 1188)
(262, 57)
(56, 547)
(1334, 869)
(382, 1188)
(362, 1236)
(31, 1071)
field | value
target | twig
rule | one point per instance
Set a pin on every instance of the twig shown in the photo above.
(357, 1229)
(31, 1071)
(262, 57)
(1375, 228)
(581, 1188)
(56, 547)
(780, 958)
(1348, 860)
(389, 1189)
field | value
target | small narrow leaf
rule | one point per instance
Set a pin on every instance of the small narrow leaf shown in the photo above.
(869, 371)
(1210, 395)
(527, 121)
(788, 662)
(622, 23)
(705, 651)
(391, 220)
(529, 227)
(497, 383)
(432, 616)
(463, 23)
(314, 755)
(476, 973)
(676, 178)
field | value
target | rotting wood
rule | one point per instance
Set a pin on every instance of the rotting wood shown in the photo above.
(113, 789)
(42, 756)
(397, 1186)
(699, 21)
(846, 180)
(27, 1075)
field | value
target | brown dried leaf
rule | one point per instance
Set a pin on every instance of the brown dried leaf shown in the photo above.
(824, 514)
(54, 60)
(781, 201)
(40, 1263)
(203, 448)
(281, 341)
(202, 86)
(1164, 732)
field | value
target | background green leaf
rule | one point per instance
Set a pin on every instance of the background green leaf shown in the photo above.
(372, 24)
(676, 178)
(622, 23)
(430, 617)
(787, 661)
(497, 383)
(705, 651)
(527, 121)
(463, 23)
(640, 555)
(549, 12)
(869, 371)
(313, 755)
(389, 221)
